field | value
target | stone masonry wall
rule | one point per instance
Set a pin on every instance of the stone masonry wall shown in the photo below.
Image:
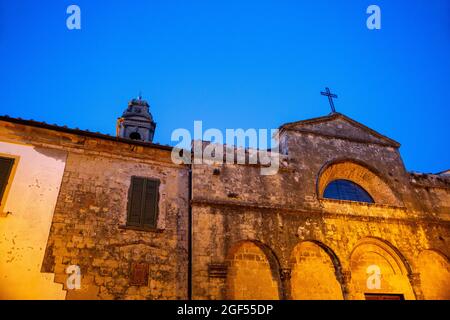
(89, 230)
(235, 204)
(220, 227)
(239, 217)
(88, 226)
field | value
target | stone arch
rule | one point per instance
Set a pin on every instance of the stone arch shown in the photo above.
(253, 272)
(360, 173)
(434, 270)
(393, 267)
(316, 272)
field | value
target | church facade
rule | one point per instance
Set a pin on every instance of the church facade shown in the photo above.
(341, 219)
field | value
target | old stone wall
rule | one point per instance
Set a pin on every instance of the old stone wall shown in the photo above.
(433, 192)
(233, 204)
(254, 236)
(220, 227)
(88, 226)
(89, 230)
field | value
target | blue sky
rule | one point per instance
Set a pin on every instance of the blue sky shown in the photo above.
(233, 64)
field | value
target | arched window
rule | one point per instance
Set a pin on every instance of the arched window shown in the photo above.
(135, 136)
(346, 190)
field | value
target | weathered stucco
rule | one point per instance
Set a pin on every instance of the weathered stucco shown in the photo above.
(25, 221)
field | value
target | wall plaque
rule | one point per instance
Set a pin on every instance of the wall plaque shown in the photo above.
(139, 274)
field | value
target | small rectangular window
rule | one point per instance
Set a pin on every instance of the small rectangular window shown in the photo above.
(143, 199)
(384, 296)
(6, 165)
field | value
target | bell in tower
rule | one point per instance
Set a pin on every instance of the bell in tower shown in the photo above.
(136, 122)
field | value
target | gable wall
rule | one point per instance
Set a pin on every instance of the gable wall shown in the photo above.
(340, 127)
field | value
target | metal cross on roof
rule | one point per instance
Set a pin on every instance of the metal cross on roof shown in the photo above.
(330, 98)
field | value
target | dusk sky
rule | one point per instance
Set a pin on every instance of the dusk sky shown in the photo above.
(233, 64)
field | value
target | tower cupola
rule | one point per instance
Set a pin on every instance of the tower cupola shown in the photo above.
(136, 122)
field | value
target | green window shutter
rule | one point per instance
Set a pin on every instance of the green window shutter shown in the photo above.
(143, 198)
(135, 201)
(6, 165)
(150, 213)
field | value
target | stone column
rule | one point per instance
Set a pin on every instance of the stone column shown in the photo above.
(345, 279)
(285, 276)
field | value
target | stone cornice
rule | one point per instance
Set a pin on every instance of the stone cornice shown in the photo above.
(320, 212)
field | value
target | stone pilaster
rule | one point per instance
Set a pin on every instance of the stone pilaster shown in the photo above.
(285, 276)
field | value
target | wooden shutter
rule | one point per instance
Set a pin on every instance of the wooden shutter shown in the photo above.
(150, 207)
(135, 201)
(143, 198)
(6, 165)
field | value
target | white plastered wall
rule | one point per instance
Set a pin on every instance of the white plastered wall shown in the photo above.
(30, 201)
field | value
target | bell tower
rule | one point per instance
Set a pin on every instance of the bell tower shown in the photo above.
(136, 122)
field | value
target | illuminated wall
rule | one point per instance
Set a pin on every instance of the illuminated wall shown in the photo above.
(376, 255)
(31, 199)
(251, 275)
(313, 274)
(434, 275)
